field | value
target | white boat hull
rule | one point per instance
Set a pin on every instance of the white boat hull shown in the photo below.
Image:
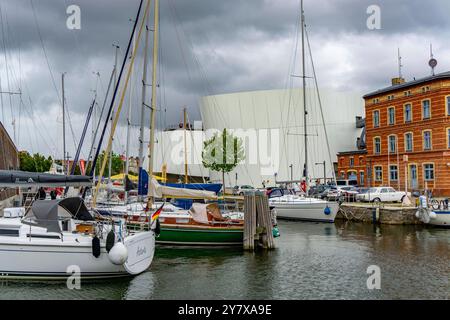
(45, 259)
(18, 261)
(441, 219)
(305, 210)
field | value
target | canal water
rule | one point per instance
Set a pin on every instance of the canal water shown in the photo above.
(312, 261)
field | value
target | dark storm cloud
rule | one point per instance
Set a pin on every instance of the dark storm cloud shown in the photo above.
(212, 47)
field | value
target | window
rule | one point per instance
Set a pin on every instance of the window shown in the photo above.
(428, 171)
(448, 138)
(408, 93)
(375, 101)
(378, 170)
(377, 145)
(361, 178)
(393, 173)
(376, 118)
(361, 161)
(408, 112)
(408, 142)
(391, 97)
(391, 116)
(392, 144)
(426, 111)
(427, 140)
(352, 162)
(448, 105)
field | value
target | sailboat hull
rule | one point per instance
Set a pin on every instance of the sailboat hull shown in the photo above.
(306, 210)
(198, 236)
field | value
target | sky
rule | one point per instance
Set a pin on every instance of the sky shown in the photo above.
(206, 47)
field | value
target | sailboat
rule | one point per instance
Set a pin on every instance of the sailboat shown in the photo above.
(287, 205)
(52, 239)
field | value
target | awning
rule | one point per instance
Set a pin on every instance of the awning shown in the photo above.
(45, 213)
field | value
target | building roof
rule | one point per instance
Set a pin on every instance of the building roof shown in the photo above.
(350, 153)
(445, 75)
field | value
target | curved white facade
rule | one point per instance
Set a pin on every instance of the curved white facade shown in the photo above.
(276, 118)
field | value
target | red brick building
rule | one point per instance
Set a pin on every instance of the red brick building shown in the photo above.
(407, 136)
(9, 159)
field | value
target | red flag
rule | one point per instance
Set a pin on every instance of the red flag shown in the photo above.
(82, 167)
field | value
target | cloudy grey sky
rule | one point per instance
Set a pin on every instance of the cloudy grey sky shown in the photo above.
(207, 47)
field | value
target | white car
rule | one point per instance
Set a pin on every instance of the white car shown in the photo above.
(382, 194)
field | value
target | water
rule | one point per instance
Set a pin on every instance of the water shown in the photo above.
(312, 261)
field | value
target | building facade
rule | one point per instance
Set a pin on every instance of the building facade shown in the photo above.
(408, 136)
(9, 159)
(271, 124)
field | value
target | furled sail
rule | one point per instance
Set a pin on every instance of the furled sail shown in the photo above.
(21, 178)
(160, 191)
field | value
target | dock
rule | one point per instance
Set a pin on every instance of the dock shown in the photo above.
(258, 228)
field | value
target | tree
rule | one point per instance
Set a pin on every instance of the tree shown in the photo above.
(222, 153)
(34, 163)
(117, 165)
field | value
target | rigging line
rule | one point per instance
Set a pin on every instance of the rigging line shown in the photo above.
(45, 52)
(116, 86)
(320, 104)
(7, 68)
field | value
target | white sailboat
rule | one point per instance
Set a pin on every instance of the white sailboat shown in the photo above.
(290, 206)
(54, 238)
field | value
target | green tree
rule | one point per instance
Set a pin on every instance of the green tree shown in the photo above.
(34, 163)
(117, 165)
(222, 153)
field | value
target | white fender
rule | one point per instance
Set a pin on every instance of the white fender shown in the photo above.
(118, 254)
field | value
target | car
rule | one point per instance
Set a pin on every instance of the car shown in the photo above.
(347, 192)
(382, 194)
(240, 190)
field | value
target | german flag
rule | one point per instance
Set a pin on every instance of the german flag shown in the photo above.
(156, 214)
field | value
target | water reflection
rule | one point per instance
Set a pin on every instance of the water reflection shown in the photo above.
(312, 261)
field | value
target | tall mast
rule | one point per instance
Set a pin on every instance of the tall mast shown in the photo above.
(112, 114)
(186, 178)
(305, 114)
(64, 123)
(130, 104)
(143, 106)
(153, 104)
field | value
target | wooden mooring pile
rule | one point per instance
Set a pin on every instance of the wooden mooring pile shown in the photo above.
(258, 227)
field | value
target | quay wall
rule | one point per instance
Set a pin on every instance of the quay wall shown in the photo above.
(386, 215)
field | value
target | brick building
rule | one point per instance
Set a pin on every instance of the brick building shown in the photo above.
(9, 159)
(407, 136)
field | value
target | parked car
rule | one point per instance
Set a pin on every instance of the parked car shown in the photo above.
(382, 194)
(347, 192)
(240, 190)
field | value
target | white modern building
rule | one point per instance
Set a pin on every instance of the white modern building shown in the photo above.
(279, 114)
(271, 125)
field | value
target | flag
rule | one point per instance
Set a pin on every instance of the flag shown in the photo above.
(156, 214)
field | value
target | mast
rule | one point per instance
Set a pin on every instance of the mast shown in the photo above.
(143, 106)
(64, 124)
(186, 179)
(153, 103)
(305, 115)
(112, 114)
(130, 104)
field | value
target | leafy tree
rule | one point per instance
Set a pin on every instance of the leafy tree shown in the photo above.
(117, 165)
(222, 153)
(34, 163)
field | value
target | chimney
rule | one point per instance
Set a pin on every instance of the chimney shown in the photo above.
(397, 81)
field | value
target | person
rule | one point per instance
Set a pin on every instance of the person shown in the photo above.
(303, 185)
(53, 194)
(41, 195)
(264, 184)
